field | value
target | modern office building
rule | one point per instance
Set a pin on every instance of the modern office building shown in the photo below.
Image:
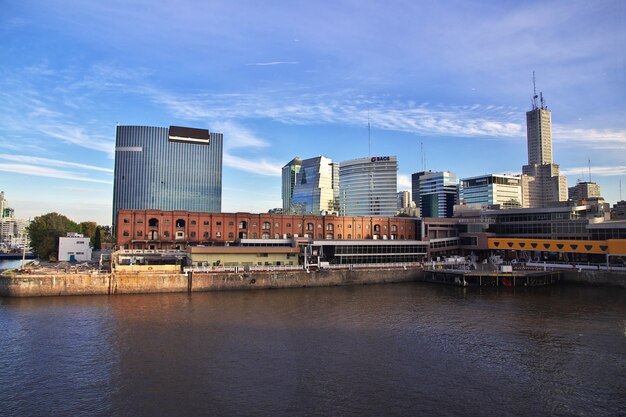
(434, 193)
(492, 189)
(314, 188)
(368, 186)
(542, 183)
(290, 173)
(584, 191)
(175, 168)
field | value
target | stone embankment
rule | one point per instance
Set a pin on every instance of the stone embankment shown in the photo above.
(144, 282)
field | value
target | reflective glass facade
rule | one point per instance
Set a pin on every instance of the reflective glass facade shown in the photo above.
(313, 191)
(158, 170)
(368, 186)
(290, 173)
(435, 193)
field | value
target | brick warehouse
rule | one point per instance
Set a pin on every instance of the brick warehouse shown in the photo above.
(156, 229)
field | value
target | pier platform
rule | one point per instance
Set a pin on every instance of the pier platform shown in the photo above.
(465, 278)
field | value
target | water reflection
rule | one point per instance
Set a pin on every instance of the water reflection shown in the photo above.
(397, 349)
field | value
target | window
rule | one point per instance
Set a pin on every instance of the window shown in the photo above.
(205, 235)
(153, 222)
(231, 235)
(167, 221)
(218, 223)
(139, 221)
(319, 225)
(206, 222)
(218, 234)
(243, 225)
(309, 226)
(376, 228)
(180, 235)
(349, 236)
(276, 225)
(192, 234)
(265, 235)
(266, 225)
(231, 223)
(394, 228)
(166, 234)
(329, 236)
(288, 225)
(329, 226)
(180, 223)
(139, 233)
(254, 224)
(82, 242)
(126, 221)
(125, 233)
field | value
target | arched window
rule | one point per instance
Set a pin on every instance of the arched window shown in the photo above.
(243, 224)
(180, 223)
(377, 228)
(329, 236)
(394, 228)
(266, 225)
(329, 226)
(265, 235)
(309, 226)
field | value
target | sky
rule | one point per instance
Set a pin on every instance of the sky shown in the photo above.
(444, 85)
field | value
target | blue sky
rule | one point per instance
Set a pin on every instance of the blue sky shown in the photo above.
(281, 79)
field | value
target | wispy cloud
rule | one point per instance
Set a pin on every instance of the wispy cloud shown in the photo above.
(404, 182)
(264, 64)
(596, 171)
(39, 171)
(260, 166)
(51, 162)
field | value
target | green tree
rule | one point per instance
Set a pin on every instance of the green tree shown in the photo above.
(97, 239)
(44, 232)
(88, 229)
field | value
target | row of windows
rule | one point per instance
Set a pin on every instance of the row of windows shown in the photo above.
(180, 223)
(379, 249)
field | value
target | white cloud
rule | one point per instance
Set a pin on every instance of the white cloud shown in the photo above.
(48, 172)
(262, 64)
(260, 167)
(51, 162)
(404, 182)
(596, 171)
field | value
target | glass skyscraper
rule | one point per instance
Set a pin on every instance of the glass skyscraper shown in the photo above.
(368, 186)
(290, 174)
(434, 193)
(173, 168)
(314, 188)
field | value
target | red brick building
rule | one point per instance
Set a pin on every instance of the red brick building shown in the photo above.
(156, 229)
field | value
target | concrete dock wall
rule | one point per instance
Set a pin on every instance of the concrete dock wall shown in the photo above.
(598, 278)
(138, 283)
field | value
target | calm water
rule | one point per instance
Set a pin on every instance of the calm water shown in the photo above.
(403, 349)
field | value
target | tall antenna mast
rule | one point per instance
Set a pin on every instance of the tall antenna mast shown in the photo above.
(589, 159)
(534, 92)
(369, 139)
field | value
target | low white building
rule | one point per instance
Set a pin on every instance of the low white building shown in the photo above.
(74, 247)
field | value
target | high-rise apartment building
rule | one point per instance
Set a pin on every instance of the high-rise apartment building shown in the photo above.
(434, 193)
(314, 187)
(175, 168)
(584, 191)
(492, 189)
(368, 186)
(290, 173)
(542, 183)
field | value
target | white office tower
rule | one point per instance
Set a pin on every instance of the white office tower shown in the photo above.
(368, 186)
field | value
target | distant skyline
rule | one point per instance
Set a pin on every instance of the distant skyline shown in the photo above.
(302, 79)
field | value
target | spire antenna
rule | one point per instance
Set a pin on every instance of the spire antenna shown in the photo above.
(534, 92)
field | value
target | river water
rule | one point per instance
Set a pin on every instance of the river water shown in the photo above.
(393, 350)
